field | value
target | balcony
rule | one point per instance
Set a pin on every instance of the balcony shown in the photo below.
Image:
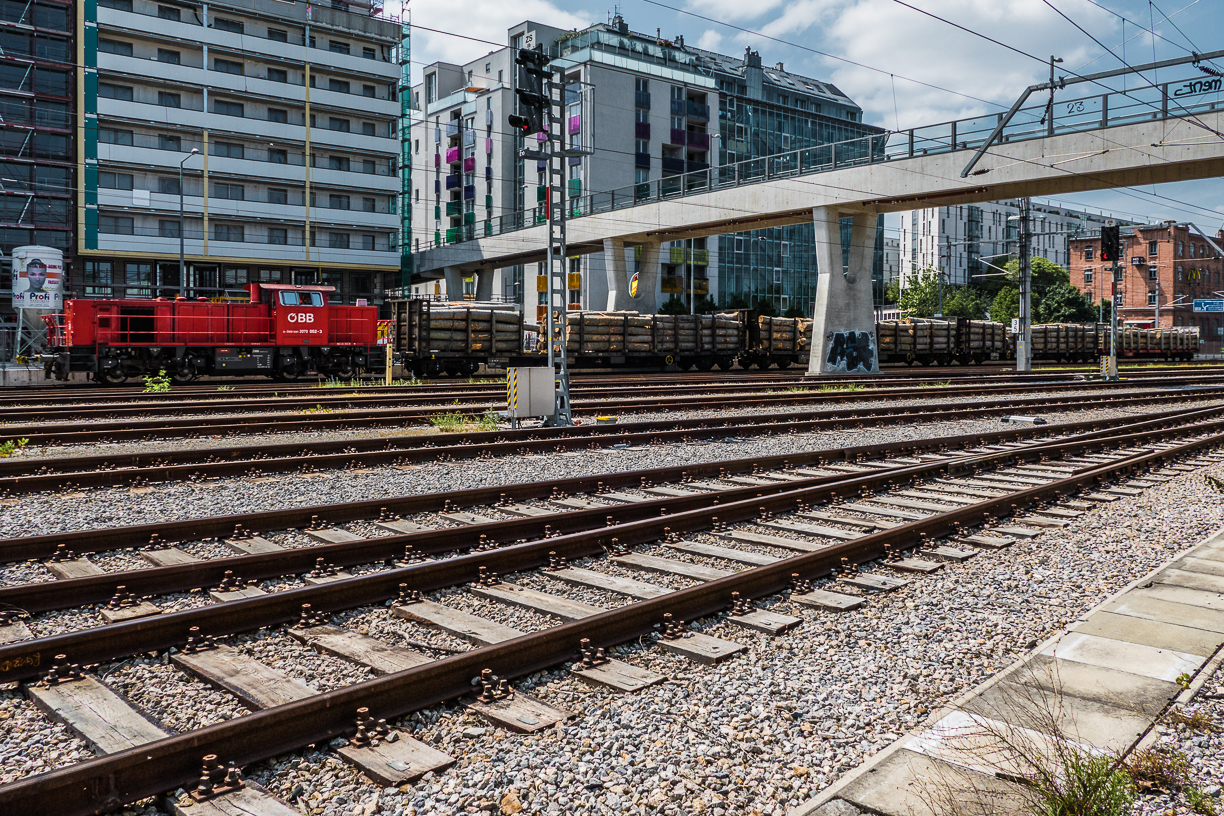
(696, 110)
(574, 188)
(452, 128)
(469, 164)
(575, 124)
(452, 155)
(677, 136)
(677, 107)
(676, 255)
(697, 166)
(698, 141)
(454, 182)
(642, 160)
(489, 173)
(454, 208)
(469, 192)
(671, 165)
(642, 100)
(700, 257)
(641, 130)
(437, 160)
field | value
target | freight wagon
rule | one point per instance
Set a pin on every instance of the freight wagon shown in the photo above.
(431, 339)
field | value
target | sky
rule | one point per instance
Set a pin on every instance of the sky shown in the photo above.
(905, 68)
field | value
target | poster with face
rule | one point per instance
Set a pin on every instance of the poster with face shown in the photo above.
(37, 279)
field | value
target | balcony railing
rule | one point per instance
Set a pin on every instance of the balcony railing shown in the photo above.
(677, 136)
(678, 107)
(641, 130)
(696, 110)
(641, 99)
(698, 141)
(671, 165)
(641, 160)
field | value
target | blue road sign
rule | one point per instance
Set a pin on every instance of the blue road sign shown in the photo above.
(1209, 305)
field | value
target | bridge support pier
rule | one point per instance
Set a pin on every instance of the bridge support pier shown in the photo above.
(453, 276)
(484, 285)
(647, 301)
(843, 329)
(616, 268)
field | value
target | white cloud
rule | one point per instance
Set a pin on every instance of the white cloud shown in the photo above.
(481, 19)
(732, 10)
(710, 40)
(886, 35)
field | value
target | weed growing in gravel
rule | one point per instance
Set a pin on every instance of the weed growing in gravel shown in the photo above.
(334, 382)
(318, 409)
(487, 421)
(944, 384)
(1200, 802)
(452, 422)
(158, 383)
(9, 447)
(1196, 720)
(225, 388)
(1157, 769)
(842, 387)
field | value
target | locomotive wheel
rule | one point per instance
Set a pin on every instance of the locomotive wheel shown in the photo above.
(344, 368)
(112, 376)
(182, 376)
(468, 368)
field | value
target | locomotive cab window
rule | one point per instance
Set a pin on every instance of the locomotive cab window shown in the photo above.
(301, 299)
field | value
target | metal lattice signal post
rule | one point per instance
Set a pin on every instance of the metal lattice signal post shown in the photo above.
(1024, 343)
(554, 199)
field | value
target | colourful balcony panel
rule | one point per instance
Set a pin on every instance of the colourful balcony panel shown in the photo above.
(676, 255)
(452, 128)
(541, 166)
(488, 145)
(437, 187)
(677, 107)
(641, 130)
(541, 137)
(437, 238)
(469, 192)
(642, 100)
(469, 218)
(488, 202)
(454, 208)
(574, 188)
(541, 192)
(437, 160)
(437, 212)
(677, 136)
(696, 166)
(641, 160)
(452, 235)
(452, 155)
(488, 228)
(701, 257)
(469, 138)
(671, 165)
(575, 161)
(489, 173)
(575, 123)
(469, 164)
(454, 181)
(698, 141)
(696, 110)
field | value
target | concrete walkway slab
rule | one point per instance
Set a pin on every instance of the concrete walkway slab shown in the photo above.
(1153, 604)
(1146, 661)
(1159, 634)
(1190, 579)
(1143, 695)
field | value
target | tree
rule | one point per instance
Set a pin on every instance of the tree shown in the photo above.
(920, 297)
(964, 301)
(674, 306)
(1006, 306)
(767, 307)
(1043, 274)
(706, 305)
(892, 290)
(738, 301)
(794, 311)
(1063, 303)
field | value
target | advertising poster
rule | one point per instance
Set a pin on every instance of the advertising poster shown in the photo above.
(38, 278)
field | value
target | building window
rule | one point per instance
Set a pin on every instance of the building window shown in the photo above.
(169, 100)
(338, 240)
(739, 244)
(118, 5)
(340, 125)
(641, 175)
(232, 192)
(1179, 273)
(1181, 249)
(278, 155)
(338, 202)
(168, 229)
(278, 196)
(1151, 298)
(1087, 276)
(739, 133)
(785, 249)
(169, 142)
(369, 129)
(367, 243)
(116, 225)
(168, 186)
(1153, 246)
(170, 13)
(368, 53)
(1117, 275)
(115, 181)
(338, 85)
(1088, 252)
(224, 24)
(231, 150)
(113, 136)
(337, 47)
(278, 34)
(368, 167)
(123, 49)
(338, 163)
(107, 90)
(368, 90)
(368, 204)
(431, 87)
(227, 66)
(225, 108)
(227, 232)
(169, 56)
(278, 75)
(278, 115)
(278, 235)
(1153, 273)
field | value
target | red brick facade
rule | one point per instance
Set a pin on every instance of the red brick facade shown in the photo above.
(1163, 265)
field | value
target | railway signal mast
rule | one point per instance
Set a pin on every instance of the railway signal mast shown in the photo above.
(542, 103)
(1111, 250)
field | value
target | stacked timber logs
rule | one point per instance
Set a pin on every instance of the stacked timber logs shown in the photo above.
(778, 335)
(474, 331)
(630, 334)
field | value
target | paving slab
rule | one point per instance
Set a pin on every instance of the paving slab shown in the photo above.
(1136, 658)
(1120, 689)
(1190, 579)
(1184, 607)
(1159, 634)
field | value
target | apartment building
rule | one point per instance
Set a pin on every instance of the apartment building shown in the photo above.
(661, 109)
(281, 116)
(36, 146)
(970, 240)
(1163, 269)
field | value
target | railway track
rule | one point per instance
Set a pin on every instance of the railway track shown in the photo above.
(30, 474)
(339, 413)
(851, 518)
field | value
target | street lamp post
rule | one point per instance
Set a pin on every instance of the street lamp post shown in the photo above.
(182, 233)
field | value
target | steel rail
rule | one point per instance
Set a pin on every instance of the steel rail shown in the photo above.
(125, 469)
(107, 782)
(77, 543)
(24, 659)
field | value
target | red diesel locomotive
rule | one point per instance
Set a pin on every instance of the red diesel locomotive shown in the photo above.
(283, 332)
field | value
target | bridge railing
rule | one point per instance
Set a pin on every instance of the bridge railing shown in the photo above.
(1183, 98)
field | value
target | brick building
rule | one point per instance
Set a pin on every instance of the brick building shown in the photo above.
(1163, 268)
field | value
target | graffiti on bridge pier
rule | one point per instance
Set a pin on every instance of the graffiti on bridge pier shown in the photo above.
(853, 350)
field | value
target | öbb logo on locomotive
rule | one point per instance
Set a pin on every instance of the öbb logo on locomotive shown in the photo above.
(300, 317)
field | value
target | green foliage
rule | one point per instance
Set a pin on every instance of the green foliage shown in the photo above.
(318, 409)
(842, 387)
(920, 297)
(738, 302)
(767, 307)
(1162, 770)
(1063, 303)
(964, 301)
(674, 306)
(487, 421)
(10, 446)
(707, 305)
(1089, 785)
(451, 422)
(1043, 273)
(225, 388)
(157, 383)
(944, 384)
(794, 311)
(1200, 802)
(892, 290)
(1006, 306)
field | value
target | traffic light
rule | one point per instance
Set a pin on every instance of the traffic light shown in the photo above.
(533, 100)
(1110, 244)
